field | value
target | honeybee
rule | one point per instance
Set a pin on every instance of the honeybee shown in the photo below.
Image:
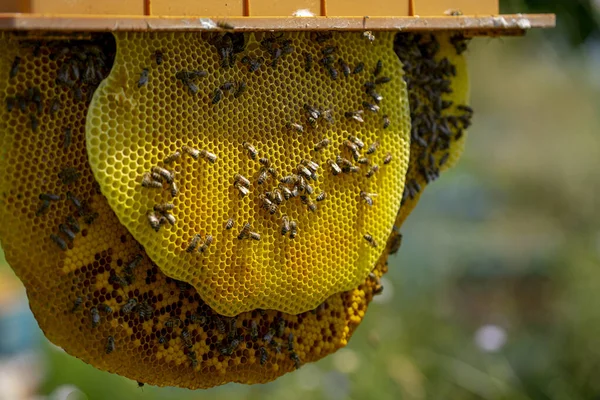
(362, 160)
(376, 96)
(289, 179)
(335, 169)
(217, 96)
(395, 243)
(164, 207)
(309, 203)
(264, 356)
(106, 308)
(373, 147)
(285, 225)
(170, 218)
(229, 224)
(287, 193)
(67, 232)
(378, 290)
(244, 191)
(291, 342)
(158, 56)
(378, 68)
(143, 78)
(345, 67)
(14, 69)
(172, 322)
(76, 202)
(173, 157)
(386, 122)
(369, 238)
(374, 168)
(262, 177)
(225, 25)
(294, 357)
(255, 64)
(220, 325)
(355, 115)
(369, 36)
(241, 180)
(110, 345)
(368, 197)
(193, 359)
(227, 86)
(76, 304)
(186, 338)
(60, 242)
(444, 159)
(154, 221)
(371, 107)
(207, 241)
(209, 156)
(227, 351)
(382, 79)
(309, 189)
(277, 197)
(254, 330)
(322, 144)
(194, 153)
(149, 182)
(241, 88)
(43, 208)
(245, 231)
(322, 196)
(359, 68)
(95, 316)
(295, 126)
(251, 150)
(166, 174)
(174, 189)
(332, 72)
(68, 138)
(129, 306)
(302, 170)
(49, 197)
(118, 280)
(352, 169)
(255, 235)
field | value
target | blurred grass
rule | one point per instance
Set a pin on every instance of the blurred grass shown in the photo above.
(510, 237)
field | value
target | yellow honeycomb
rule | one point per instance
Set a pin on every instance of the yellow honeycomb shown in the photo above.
(433, 64)
(144, 113)
(169, 336)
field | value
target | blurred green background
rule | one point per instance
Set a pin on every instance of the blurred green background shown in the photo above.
(495, 293)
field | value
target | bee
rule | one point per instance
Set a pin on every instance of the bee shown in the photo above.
(76, 304)
(186, 338)
(294, 357)
(193, 359)
(229, 224)
(227, 86)
(255, 235)
(311, 205)
(173, 157)
(374, 168)
(322, 196)
(217, 96)
(355, 115)
(211, 157)
(369, 36)
(110, 345)
(95, 316)
(105, 308)
(369, 238)
(115, 279)
(371, 107)
(332, 72)
(170, 218)
(322, 37)
(285, 225)
(241, 88)
(335, 169)
(308, 62)
(302, 170)
(251, 150)
(322, 144)
(68, 138)
(467, 109)
(129, 306)
(289, 179)
(225, 25)
(308, 189)
(277, 196)
(443, 160)
(172, 322)
(194, 153)
(67, 232)
(373, 147)
(60, 242)
(362, 160)
(345, 67)
(290, 342)
(345, 163)
(207, 241)
(264, 356)
(295, 126)
(49, 196)
(378, 290)
(245, 231)
(244, 191)
(220, 325)
(262, 177)
(378, 68)
(76, 202)
(43, 208)
(140, 384)
(313, 166)
(148, 182)
(395, 243)
(143, 78)
(162, 340)
(387, 159)
(254, 330)
(376, 96)
(227, 351)
(382, 79)
(353, 148)
(14, 69)
(73, 224)
(166, 174)
(154, 221)
(174, 189)
(368, 197)
(386, 121)
(241, 180)
(329, 50)
(34, 122)
(359, 68)
(158, 56)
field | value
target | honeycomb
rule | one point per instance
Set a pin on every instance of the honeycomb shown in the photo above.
(438, 85)
(138, 121)
(102, 299)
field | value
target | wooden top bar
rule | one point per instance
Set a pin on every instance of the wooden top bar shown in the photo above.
(510, 24)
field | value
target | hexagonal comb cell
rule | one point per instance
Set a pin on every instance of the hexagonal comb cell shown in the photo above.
(282, 136)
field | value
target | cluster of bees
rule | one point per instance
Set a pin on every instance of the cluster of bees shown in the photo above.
(433, 123)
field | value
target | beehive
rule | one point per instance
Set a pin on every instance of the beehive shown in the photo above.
(169, 336)
(133, 126)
